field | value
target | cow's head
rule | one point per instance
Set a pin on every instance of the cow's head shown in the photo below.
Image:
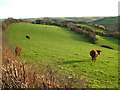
(99, 51)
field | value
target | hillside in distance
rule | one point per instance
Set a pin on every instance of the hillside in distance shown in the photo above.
(107, 20)
(110, 22)
(85, 19)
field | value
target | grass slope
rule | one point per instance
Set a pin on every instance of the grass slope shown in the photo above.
(108, 41)
(68, 49)
(102, 40)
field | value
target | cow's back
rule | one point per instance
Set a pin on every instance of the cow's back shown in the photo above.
(18, 50)
(93, 54)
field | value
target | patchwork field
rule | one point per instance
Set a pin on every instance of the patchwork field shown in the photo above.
(59, 46)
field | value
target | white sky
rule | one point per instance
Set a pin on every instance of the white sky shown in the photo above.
(57, 8)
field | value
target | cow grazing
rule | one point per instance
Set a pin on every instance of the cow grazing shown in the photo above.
(94, 54)
(28, 37)
(18, 50)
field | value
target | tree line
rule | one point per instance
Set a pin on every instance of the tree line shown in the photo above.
(9, 21)
(83, 30)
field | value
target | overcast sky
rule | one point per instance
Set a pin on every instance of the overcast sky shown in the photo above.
(57, 8)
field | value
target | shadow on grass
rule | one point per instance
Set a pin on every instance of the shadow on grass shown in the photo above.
(78, 37)
(73, 61)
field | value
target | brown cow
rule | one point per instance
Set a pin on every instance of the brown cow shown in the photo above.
(18, 50)
(94, 54)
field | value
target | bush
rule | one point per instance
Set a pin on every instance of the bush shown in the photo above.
(71, 25)
(9, 21)
(39, 22)
(114, 34)
(85, 28)
(79, 31)
(101, 33)
(91, 36)
(100, 26)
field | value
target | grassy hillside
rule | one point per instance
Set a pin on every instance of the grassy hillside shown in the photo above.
(110, 22)
(52, 44)
(102, 40)
(87, 19)
(108, 41)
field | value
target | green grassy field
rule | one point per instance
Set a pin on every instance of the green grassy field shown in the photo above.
(111, 23)
(51, 44)
(108, 41)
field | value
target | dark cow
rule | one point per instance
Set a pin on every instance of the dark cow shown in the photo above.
(28, 37)
(18, 50)
(94, 54)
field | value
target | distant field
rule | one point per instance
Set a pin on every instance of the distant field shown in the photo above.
(110, 22)
(107, 20)
(51, 44)
(88, 19)
(92, 27)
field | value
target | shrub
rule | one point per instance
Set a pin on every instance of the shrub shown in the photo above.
(79, 31)
(91, 36)
(9, 21)
(71, 25)
(114, 34)
(101, 33)
(100, 26)
(85, 28)
(39, 22)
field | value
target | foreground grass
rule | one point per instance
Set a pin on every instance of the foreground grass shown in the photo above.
(52, 44)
